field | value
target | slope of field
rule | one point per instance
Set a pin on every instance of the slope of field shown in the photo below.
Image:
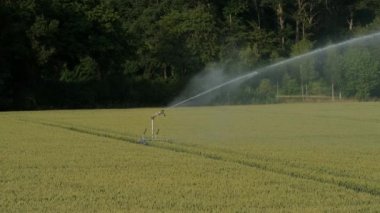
(290, 157)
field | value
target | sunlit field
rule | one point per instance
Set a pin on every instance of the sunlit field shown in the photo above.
(285, 157)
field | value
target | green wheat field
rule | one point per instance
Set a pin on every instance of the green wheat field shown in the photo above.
(312, 157)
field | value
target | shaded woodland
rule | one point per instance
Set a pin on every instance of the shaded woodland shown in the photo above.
(133, 53)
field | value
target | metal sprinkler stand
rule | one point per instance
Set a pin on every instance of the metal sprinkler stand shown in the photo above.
(162, 112)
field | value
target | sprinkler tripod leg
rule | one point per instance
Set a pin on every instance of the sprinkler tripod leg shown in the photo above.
(152, 121)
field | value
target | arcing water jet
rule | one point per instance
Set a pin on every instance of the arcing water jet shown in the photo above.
(255, 73)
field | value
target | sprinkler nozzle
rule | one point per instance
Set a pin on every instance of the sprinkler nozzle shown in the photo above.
(162, 112)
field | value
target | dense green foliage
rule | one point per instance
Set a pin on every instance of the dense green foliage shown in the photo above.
(273, 158)
(59, 53)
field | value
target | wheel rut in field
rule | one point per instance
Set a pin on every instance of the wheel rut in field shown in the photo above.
(265, 165)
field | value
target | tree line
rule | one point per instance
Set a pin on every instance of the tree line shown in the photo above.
(130, 53)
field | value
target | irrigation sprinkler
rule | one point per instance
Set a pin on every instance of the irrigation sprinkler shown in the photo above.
(162, 112)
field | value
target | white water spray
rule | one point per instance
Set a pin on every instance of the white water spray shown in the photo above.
(237, 79)
(254, 73)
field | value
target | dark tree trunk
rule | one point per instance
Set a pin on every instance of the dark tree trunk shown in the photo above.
(258, 14)
(281, 22)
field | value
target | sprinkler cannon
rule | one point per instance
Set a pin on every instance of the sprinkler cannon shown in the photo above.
(157, 114)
